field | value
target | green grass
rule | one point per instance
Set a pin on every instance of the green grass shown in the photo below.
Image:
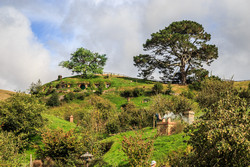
(55, 122)
(163, 145)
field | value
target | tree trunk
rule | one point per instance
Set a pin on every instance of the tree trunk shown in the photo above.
(183, 75)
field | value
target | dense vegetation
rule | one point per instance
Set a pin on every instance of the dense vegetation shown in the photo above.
(114, 117)
(100, 116)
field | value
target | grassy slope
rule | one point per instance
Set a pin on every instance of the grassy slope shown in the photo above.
(163, 145)
(4, 94)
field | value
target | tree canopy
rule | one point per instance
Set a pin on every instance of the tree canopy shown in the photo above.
(176, 49)
(85, 62)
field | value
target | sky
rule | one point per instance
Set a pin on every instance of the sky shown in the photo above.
(36, 35)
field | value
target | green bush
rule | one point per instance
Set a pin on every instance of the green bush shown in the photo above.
(21, 114)
(169, 90)
(61, 146)
(69, 97)
(221, 137)
(112, 127)
(138, 92)
(137, 149)
(188, 94)
(10, 146)
(80, 96)
(53, 100)
(212, 91)
(131, 116)
(77, 89)
(157, 88)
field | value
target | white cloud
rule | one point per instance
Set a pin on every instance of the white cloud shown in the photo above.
(117, 28)
(23, 58)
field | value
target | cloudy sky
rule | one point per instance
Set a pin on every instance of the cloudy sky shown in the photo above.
(36, 35)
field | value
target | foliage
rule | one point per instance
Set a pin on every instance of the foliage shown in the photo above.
(245, 94)
(21, 114)
(195, 80)
(213, 90)
(175, 104)
(179, 104)
(69, 97)
(100, 112)
(138, 92)
(112, 127)
(53, 100)
(85, 62)
(169, 90)
(179, 47)
(188, 94)
(9, 149)
(131, 116)
(157, 88)
(221, 138)
(160, 104)
(36, 88)
(137, 149)
(60, 145)
(127, 93)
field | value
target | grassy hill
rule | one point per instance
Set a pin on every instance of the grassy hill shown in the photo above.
(4, 94)
(56, 117)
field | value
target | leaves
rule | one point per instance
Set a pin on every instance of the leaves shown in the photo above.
(86, 62)
(178, 48)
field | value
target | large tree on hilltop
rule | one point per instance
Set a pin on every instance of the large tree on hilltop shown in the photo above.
(85, 62)
(177, 49)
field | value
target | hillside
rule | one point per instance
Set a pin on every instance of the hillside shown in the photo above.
(4, 94)
(103, 115)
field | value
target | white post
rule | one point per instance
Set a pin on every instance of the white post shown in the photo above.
(31, 163)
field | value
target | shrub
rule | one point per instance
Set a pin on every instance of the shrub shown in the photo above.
(80, 96)
(127, 94)
(21, 114)
(137, 149)
(157, 88)
(112, 127)
(69, 97)
(221, 137)
(53, 100)
(138, 92)
(10, 146)
(169, 90)
(77, 89)
(60, 145)
(188, 94)
(130, 116)
(213, 90)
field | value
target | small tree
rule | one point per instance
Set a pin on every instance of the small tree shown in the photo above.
(85, 62)
(35, 88)
(158, 87)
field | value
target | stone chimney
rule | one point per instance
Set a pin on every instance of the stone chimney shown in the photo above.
(59, 77)
(71, 119)
(189, 115)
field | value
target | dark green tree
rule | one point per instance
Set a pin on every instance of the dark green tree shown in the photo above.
(178, 48)
(85, 62)
(157, 88)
